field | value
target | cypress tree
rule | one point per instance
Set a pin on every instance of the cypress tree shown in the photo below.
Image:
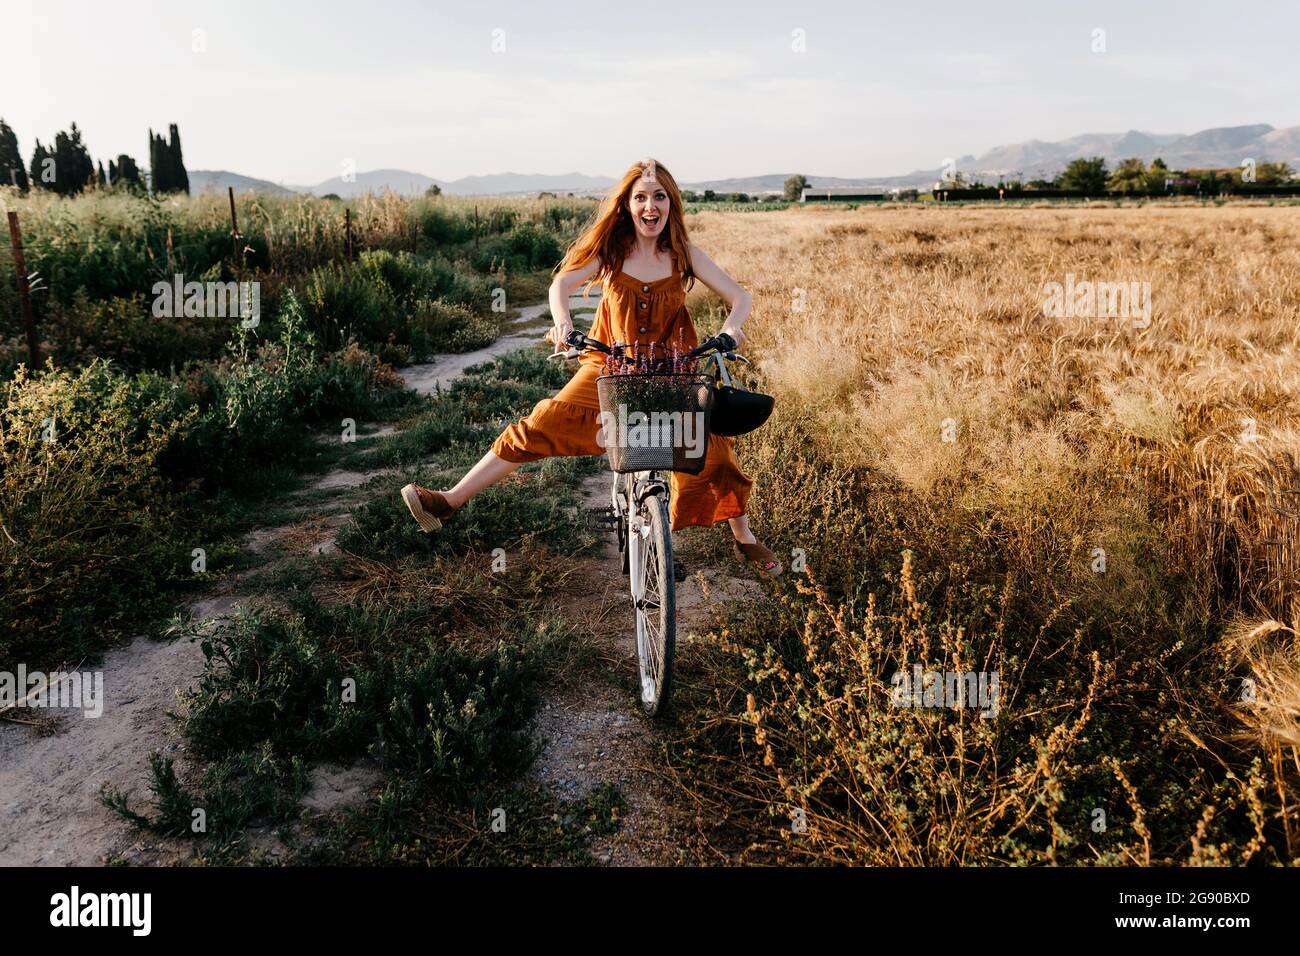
(39, 156)
(128, 173)
(157, 175)
(74, 170)
(180, 178)
(63, 163)
(12, 172)
(166, 164)
(83, 173)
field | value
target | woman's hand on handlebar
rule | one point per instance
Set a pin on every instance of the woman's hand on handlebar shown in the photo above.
(736, 334)
(722, 342)
(558, 333)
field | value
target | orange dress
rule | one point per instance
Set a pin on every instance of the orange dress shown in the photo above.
(632, 311)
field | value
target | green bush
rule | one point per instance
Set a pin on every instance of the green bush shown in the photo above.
(406, 277)
(279, 681)
(343, 302)
(436, 326)
(232, 793)
(268, 678)
(87, 524)
(125, 331)
(95, 526)
(442, 226)
(476, 334)
(455, 719)
(255, 403)
(385, 297)
(525, 247)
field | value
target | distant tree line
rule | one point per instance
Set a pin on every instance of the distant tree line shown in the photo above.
(688, 195)
(66, 168)
(1090, 177)
(708, 195)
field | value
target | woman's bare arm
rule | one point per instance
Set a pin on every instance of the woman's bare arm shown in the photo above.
(562, 288)
(727, 288)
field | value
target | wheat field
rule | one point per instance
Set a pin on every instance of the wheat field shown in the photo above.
(880, 324)
(1106, 504)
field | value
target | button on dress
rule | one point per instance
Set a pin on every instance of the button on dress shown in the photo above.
(632, 310)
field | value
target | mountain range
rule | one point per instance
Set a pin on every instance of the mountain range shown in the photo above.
(410, 184)
(1220, 147)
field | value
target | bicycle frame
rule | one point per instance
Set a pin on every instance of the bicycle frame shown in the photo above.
(716, 358)
(638, 484)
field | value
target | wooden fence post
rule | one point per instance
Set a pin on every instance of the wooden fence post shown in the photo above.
(24, 290)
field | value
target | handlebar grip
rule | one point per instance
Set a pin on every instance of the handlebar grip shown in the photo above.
(722, 342)
(577, 340)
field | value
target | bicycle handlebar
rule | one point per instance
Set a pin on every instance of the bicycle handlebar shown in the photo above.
(577, 340)
(719, 343)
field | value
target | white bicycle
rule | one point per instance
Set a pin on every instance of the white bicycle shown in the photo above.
(639, 516)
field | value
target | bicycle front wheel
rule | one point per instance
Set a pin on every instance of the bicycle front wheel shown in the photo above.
(654, 599)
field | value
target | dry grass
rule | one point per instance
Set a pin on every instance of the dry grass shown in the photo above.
(926, 401)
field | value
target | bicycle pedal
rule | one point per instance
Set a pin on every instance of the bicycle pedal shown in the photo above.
(605, 519)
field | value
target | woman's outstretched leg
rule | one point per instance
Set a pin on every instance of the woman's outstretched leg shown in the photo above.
(567, 424)
(431, 508)
(490, 469)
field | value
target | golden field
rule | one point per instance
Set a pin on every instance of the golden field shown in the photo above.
(1101, 507)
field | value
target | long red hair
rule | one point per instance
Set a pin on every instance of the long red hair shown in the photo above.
(611, 233)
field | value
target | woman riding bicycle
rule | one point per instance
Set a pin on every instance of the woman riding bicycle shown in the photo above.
(640, 231)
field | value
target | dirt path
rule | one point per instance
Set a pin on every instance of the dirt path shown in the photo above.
(51, 776)
(440, 372)
(598, 735)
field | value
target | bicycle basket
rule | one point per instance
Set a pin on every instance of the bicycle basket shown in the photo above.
(654, 420)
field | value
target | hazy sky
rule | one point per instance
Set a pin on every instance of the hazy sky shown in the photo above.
(287, 91)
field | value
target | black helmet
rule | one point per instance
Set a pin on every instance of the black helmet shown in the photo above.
(736, 411)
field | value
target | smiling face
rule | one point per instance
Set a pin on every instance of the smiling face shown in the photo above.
(648, 203)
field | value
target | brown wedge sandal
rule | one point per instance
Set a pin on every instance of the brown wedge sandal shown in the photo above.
(760, 557)
(429, 508)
